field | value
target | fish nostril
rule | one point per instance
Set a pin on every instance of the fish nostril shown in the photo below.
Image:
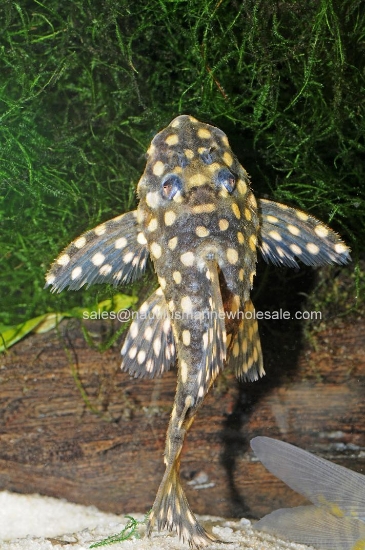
(170, 185)
(226, 179)
(206, 157)
(182, 160)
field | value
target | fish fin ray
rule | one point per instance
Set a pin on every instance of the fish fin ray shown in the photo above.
(149, 347)
(314, 526)
(287, 234)
(171, 511)
(114, 252)
(337, 489)
(246, 354)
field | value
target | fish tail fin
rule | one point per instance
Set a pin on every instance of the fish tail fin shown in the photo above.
(171, 510)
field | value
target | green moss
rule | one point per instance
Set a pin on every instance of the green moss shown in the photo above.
(85, 85)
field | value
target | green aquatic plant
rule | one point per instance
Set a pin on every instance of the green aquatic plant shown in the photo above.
(130, 530)
(85, 87)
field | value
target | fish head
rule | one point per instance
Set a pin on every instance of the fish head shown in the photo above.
(196, 204)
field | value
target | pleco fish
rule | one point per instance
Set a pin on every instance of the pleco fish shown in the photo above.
(337, 519)
(199, 221)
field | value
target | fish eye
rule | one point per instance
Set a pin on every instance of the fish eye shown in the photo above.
(227, 179)
(170, 185)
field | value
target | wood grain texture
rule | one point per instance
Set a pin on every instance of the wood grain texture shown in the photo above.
(111, 456)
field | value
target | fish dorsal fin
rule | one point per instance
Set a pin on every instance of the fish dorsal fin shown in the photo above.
(287, 234)
(246, 354)
(114, 252)
(149, 348)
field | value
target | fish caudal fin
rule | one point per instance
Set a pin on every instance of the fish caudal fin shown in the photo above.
(172, 511)
(246, 354)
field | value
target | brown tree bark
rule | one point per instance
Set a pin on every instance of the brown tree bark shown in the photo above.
(74, 426)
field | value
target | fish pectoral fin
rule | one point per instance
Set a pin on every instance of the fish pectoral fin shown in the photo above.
(171, 510)
(114, 252)
(246, 354)
(315, 527)
(149, 347)
(287, 234)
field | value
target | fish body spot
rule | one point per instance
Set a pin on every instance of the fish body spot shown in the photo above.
(312, 248)
(252, 242)
(98, 259)
(156, 250)
(301, 215)
(204, 208)
(321, 231)
(63, 260)
(293, 229)
(141, 239)
(172, 139)
(172, 244)
(232, 256)
(80, 242)
(169, 217)
(236, 211)
(197, 180)
(153, 225)
(228, 159)
(203, 133)
(105, 269)
(183, 371)
(152, 199)
(223, 224)
(296, 249)
(186, 337)
(275, 235)
(158, 168)
(186, 304)
(240, 237)
(100, 230)
(187, 259)
(202, 231)
(120, 243)
(162, 282)
(127, 258)
(76, 272)
(242, 187)
(340, 248)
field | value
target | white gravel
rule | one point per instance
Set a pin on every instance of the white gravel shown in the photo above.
(33, 522)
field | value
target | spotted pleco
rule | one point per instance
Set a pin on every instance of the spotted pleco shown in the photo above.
(200, 223)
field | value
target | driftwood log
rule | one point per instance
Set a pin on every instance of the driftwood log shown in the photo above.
(74, 426)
